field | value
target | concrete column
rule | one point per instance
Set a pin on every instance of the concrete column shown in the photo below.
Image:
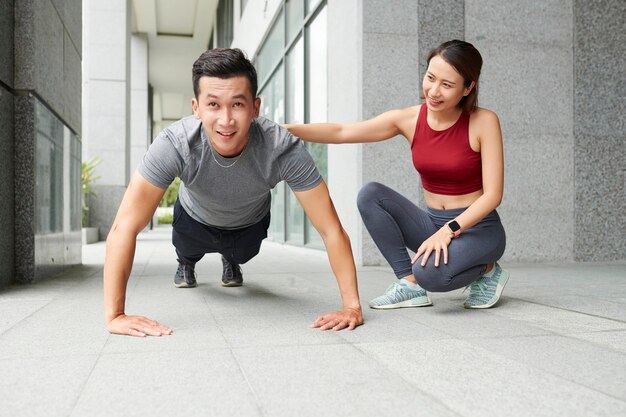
(395, 41)
(106, 89)
(527, 81)
(344, 106)
(7, 173)
(139, 117)
(599, 131)
(47, 64)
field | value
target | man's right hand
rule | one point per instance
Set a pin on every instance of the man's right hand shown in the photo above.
(137, 326)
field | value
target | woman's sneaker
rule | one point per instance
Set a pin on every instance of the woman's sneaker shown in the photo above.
(485, 292)
(402, 294)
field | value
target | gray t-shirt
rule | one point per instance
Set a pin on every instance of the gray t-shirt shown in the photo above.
(234, 197)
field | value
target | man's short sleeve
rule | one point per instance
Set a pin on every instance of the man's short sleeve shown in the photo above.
(296, 165)
(162, 162)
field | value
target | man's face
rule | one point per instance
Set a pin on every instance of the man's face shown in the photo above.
(226, 108)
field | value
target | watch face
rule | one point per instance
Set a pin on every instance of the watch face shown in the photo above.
(454, 226)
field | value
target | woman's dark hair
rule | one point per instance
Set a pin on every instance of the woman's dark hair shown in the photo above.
(223, 63)
(467, 61)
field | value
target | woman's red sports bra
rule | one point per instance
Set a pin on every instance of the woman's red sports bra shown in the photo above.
(444, 159)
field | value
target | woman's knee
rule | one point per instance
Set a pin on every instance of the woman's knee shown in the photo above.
(431, 278)
(369, 194)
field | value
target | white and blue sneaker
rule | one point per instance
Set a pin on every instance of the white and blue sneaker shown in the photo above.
(485, 292)
(402, 294)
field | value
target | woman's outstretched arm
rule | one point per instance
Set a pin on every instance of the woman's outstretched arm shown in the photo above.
(382, 127)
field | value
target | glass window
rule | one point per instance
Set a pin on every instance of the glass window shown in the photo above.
(310, 5)
(273, 107)
(317, 100)
(49, 172)
(75, 181)
(295, 16)
(295, 83)
(225, 26)
(317, 69)
(272, 50)
(293, 89)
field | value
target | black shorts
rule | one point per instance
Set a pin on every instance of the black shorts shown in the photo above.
(193, 239)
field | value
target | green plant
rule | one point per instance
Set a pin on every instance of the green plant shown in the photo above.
(166, 218)
(169, 198)
(87, 180)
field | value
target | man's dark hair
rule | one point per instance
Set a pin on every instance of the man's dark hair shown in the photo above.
(224, 63)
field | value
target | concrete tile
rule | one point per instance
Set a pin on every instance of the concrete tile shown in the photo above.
(600, 198)
(108, 26)
(113, 93)
(450, 318)
(329, 381)
(64, 327)
(278, 329)
(393, 326)
(7, 125)
(6, 43)
(13, 311)
(591, 305)
(72, 85)
(597, 55)
(544, 156)
(107, 62)
(433, 30)
(71, 14)
(256, 339)
(385, 54)
(554, 319)
(615, 340)
(378, 17)
(49, 71)
(584, 363)
(551, 20)
(473, 381)
(548, 104)
(47, 387)
(199, 383)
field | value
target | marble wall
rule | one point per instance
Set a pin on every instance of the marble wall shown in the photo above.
(46, 42)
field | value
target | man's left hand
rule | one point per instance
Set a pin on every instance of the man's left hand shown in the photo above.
(348, 318)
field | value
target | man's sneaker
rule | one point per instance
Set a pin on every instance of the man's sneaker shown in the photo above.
(185, 276)
(402, 294)
(231, 276)
(486, 291)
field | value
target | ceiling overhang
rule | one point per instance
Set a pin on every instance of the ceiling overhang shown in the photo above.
(177, 32)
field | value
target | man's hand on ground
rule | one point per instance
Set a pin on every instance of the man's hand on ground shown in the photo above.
(137, 326)
(348, 318)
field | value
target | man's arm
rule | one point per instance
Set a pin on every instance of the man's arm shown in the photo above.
(138, 205)
(321, 211)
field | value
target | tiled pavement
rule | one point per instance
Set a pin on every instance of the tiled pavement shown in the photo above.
(554, 346)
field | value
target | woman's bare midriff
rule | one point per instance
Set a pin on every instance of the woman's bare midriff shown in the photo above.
(450, 202)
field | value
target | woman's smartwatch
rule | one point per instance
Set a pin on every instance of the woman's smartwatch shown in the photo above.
(454, 228)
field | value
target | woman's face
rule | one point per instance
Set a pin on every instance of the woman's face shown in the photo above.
(443, 85)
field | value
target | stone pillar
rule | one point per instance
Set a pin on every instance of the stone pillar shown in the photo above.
(599, 130)
(140, 129)
(395, 43)
(106, 113)
(344, 98)
(7, 172)
(47, 64)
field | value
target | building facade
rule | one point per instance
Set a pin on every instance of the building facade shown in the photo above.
(555, 81)
(553, 72)
(40, 125)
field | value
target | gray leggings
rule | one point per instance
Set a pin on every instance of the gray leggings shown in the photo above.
(395, 224)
